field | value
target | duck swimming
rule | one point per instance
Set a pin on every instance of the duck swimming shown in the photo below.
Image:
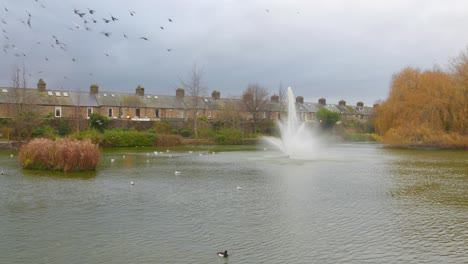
(223, 254)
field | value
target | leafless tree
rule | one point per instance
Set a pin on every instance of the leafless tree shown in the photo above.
(282, 93)
(25, 118)
(195, 90)
(229, 116)
(255, 101)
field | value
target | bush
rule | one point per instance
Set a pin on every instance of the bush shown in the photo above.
(206, 133)
(61, 155)
(162, 127)
(185, 133)
(45, 132)
(98, 122)
(93, 135)
(121, 138)
(229, 137)
(169, 140)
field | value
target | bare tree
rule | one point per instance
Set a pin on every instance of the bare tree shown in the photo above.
(195, 90)
(255, 101)
(229, 116)
(282, 93)
(26, 118)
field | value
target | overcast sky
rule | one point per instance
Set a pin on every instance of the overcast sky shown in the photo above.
(337, 49)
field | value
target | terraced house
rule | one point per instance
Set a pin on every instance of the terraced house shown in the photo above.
(141, 106)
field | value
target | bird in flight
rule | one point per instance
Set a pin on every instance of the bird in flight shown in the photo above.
(144, 38)
(91, 11)
(131, 12)
(161, 27)
(170, 20)
(106, 20)
(113, 18)
(107, 34)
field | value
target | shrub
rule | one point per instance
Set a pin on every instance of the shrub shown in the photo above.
(98, 122)
(162, 127)
(93, 135)
(61, 155)
(229, 137)
(121, 138)
(169, 140)
(185, 133)
(206, 133)
(45, 131)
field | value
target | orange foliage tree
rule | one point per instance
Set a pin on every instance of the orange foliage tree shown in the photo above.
(427, 108)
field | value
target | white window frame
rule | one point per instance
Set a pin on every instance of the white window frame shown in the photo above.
(110, 112)
(89, 112)
(58, 111)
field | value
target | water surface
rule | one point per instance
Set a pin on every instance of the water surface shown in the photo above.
(356, 203)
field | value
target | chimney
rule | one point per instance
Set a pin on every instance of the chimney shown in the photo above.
(275, 98)
(41, 85)
(180, 93)
(360, 104)
(140, 91)
(300, 100)
(376, 105)
(322, 101)
(342, 103)
(215, 95)
(94, 89)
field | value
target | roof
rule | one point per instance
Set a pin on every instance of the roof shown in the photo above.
(11, 95)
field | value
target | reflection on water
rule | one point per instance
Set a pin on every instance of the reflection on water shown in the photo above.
(356, 203)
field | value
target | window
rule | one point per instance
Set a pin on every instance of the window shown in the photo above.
(137, 112)
(209, 114)
(157, 113)
(58, 111)
(110, 112)
(90, 111)
(181, 114)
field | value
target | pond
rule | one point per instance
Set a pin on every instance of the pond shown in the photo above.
(355, 203)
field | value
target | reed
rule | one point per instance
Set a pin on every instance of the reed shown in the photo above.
(61, 155)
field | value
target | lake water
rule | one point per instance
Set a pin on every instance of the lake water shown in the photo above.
(357, 203)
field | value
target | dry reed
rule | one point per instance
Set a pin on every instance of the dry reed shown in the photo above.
(61, 155)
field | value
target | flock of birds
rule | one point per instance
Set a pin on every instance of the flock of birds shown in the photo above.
(61, 45)
(41, 37)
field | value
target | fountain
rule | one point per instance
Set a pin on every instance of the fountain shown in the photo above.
(296, 140)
